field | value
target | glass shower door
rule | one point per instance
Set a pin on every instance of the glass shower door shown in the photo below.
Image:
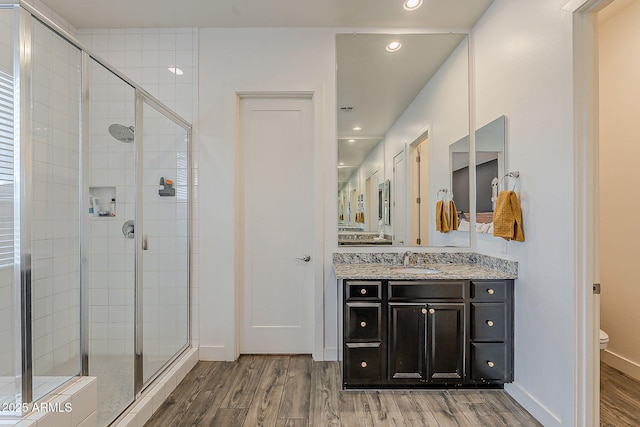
(110, 239)
(165, 228)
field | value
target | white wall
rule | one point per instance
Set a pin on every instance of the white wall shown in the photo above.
(619, 37)
(233, 60)
(523, 69)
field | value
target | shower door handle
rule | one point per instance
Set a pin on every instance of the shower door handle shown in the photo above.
(145, 243)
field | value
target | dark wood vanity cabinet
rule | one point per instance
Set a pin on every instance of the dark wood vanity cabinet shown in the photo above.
(400, 333)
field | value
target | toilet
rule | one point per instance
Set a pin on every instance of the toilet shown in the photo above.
(604, 339)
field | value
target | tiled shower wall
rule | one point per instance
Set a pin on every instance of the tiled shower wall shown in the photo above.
(145, 56)
(55, 207)
(109, 256)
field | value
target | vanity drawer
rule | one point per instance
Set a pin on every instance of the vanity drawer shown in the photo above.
(363, 290)
(489, 321)
(489, 290)
(440, 289)
(363, 362)
(490, 362)
(362, 321)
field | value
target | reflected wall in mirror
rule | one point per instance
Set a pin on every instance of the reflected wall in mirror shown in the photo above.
(490, 167)
(398, 113)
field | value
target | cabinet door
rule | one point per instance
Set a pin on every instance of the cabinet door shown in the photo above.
(407, 341)
(445, 341)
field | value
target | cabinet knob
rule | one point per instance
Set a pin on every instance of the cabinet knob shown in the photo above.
(432, 310)
(363, 324)
(490, 291)
(363, 364)
(490, 322)
(424, 311)
(490, 364)
(363, 291)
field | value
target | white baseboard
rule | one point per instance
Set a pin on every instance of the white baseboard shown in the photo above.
(330, 354)
(533, 406)
(213, 353)
(621, 363)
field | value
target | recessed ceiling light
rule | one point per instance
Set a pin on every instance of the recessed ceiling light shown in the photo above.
(351, 140)
(177, 71)
(393, 46)
(357, 128)
(412, 4)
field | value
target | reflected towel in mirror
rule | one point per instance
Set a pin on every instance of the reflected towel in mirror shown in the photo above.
(453, 216)
(442, 225)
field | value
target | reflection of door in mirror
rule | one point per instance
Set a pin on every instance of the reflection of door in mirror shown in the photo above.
(354, 208)
(400, 199)
(371, 209)
(419, 211)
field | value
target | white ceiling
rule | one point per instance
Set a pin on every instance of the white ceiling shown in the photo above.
(267, 13)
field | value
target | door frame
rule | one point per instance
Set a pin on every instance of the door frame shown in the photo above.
(587, 325)
(401, 155)
(317, 221)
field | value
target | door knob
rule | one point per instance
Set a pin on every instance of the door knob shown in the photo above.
(305, 258)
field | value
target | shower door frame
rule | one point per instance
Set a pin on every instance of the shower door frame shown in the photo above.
(23, 13)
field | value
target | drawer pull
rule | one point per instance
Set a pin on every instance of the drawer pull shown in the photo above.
(363, 364)
(432, 310)
(363, 291)
(363, 324)
(489, 322)
(424, 311)
(490, 364)
(490, 291)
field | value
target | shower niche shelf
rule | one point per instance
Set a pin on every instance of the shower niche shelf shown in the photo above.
(102, 202)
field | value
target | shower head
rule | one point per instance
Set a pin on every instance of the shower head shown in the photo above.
(122, 133)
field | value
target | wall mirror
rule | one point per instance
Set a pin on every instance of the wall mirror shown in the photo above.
(490, 167)
(402, 101)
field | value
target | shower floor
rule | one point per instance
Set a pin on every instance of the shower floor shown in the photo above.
(115, 385)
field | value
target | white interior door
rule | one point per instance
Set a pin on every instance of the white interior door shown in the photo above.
(277, 156)
(399, 215)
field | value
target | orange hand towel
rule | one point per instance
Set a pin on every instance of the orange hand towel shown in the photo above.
(453, 216)
(507, 217)
(442, 225)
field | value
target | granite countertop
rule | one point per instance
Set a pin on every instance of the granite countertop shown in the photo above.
(450, 266)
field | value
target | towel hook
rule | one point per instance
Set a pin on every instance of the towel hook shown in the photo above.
(515, 175)
(444, 191)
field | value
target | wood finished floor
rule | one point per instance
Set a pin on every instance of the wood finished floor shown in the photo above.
(619, 398)
(294, 391)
